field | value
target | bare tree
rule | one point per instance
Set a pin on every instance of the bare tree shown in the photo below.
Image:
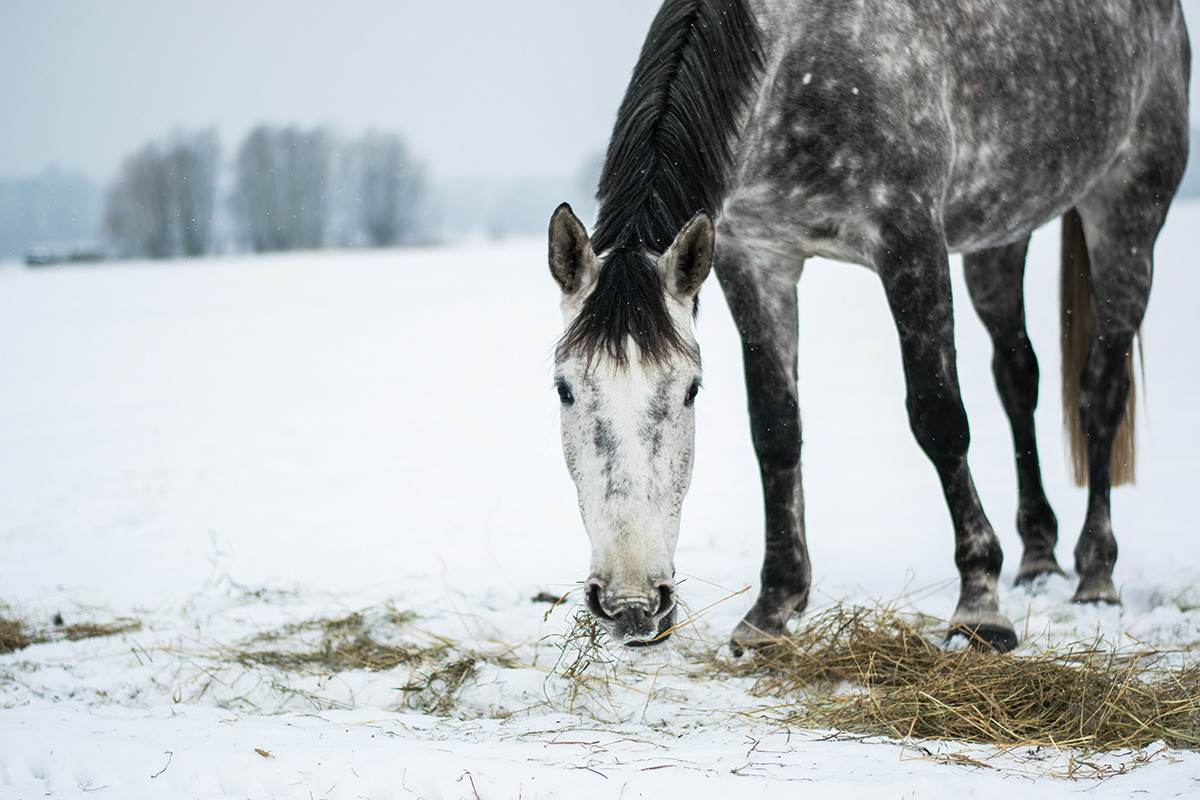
(390, 190)
(136, 213)
(280, 199)
(161, 203)
(192, 161)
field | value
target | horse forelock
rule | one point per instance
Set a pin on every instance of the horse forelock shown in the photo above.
(628, 305)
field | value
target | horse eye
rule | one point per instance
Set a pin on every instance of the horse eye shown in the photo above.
(564, 392)
(693, 390)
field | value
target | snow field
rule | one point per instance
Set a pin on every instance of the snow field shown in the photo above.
(224, 448)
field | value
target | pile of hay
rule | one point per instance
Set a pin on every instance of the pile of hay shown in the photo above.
(871, 671)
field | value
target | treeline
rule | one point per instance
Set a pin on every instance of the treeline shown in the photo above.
(289, 189)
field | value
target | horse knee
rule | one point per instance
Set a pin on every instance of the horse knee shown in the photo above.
(774, 410)
(939, 423)
(777, 438)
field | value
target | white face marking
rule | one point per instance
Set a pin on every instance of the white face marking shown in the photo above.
(628, 435)
(627, 372)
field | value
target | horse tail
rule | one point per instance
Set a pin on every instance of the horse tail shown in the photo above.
(1075, 307)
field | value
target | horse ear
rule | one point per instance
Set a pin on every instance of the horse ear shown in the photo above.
(689, 259)
(572, 261)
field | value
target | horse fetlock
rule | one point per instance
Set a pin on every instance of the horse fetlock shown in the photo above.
(1035, 566)
(1095, 556)
(1096, 589)
(1039, 533)
(979, 557)
(1037, 523)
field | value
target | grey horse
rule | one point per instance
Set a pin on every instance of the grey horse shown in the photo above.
(888, 133)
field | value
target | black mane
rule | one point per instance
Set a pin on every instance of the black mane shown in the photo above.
(669, 158)
(670, 152)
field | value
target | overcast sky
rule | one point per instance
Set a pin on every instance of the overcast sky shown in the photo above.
(491, 88)
(480, 88)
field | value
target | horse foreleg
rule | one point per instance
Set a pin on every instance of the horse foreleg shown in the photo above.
(995, 280)
(916, 276)
(762, 299)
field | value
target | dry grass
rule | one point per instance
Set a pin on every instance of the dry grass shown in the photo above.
(16, 634)
(851, 670)
(13, 635)
(872, 671)
(374, 640)
(94, 630)
(585, 662)
(341, 644)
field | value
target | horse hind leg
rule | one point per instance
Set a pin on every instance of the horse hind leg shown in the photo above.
(1120, 220)
(1101, 396)
(1118, 282)
(995, 280)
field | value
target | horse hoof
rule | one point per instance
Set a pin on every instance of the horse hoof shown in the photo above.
(1031, 571)
(1097, 590)
(747, 636)
(984, 637)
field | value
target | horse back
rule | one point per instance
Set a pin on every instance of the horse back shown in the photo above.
(993, 116)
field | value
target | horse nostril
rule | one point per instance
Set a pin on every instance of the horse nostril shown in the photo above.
(593, 600)
(666, 598)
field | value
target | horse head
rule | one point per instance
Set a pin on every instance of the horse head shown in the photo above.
(627, 371)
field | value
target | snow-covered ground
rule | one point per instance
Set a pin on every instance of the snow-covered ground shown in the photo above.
(222, 448)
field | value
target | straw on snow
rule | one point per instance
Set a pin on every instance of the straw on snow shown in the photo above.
(851, 669)
(17, 634)
(873, 671)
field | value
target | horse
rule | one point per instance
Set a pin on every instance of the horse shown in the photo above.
(755, 134)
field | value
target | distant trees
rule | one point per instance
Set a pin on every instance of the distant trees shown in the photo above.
(389, 186)
(291, 188)
(161, 204)
(298, 189)
(192, 163)
(280, 197)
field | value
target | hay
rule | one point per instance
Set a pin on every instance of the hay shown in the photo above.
(374, 640)
(16, 634)
(874, 672)
(583, 650)
(13, 635)
(95, 630)
(342, 644)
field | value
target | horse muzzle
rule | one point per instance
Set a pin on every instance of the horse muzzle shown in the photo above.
(634, 617)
